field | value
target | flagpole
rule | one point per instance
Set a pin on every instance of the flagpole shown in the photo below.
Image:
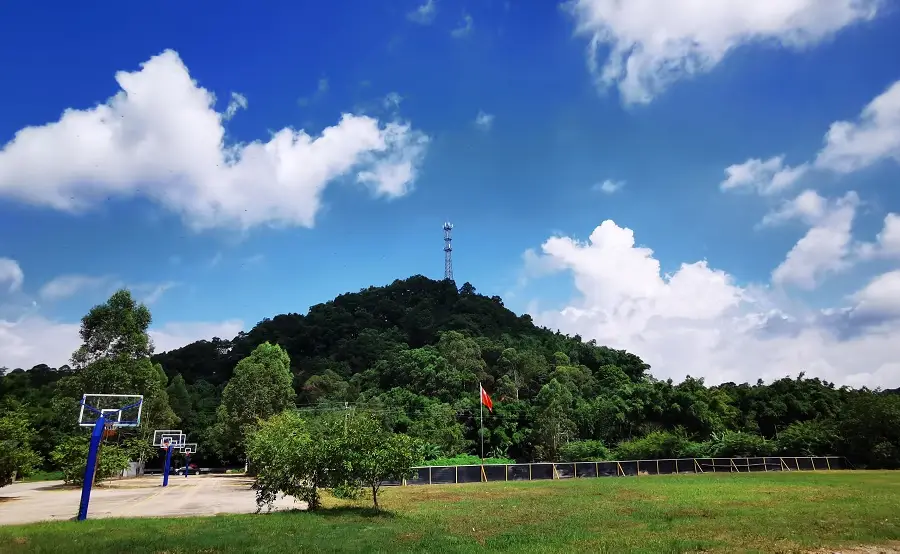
(481, 403)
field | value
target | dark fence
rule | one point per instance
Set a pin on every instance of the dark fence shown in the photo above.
(441, 475)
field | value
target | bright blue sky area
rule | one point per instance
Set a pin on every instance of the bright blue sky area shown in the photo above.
(506, 190)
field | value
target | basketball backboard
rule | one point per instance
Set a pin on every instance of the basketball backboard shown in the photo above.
(189, 448)
(119, 410)
(176, 438)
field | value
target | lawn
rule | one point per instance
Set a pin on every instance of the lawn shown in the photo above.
(760, 512)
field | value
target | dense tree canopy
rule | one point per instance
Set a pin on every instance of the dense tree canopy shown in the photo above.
(412, 354)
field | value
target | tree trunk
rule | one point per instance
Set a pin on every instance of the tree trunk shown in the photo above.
(375, 497)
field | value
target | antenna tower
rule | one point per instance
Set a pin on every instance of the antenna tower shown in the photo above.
(448, 260)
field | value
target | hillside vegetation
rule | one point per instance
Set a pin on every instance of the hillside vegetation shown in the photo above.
(413, 352)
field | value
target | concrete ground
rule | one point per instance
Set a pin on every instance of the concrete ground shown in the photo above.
(138, 497)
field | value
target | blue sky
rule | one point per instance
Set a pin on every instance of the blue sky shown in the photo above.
(79, 216)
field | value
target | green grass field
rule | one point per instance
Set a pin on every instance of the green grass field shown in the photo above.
(762, 512)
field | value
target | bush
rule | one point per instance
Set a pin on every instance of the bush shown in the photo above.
(16, 456)
(808, 438)
(737, 444)
(467, 460)
(584, 451)
(71, 457)
(655, 445)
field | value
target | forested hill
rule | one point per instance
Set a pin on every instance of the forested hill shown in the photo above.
(352, 333)
(413, 353)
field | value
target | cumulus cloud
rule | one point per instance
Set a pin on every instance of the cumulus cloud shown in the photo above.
(609, 186)
(652, 44)
(699, 321)
(887, 243)
(11, 274)
(827, 246)
(484, 121)
(160, 137)
(764, 177)
(238, 102)
(31, 338)
(851, 146)
(423, 14)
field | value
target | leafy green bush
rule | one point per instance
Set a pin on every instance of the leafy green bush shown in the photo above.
(808, 438)
(467, 460)
(737, 444)
(299, 457)
(584, 451)
(655, 445)
(16, 456)
(71, 456)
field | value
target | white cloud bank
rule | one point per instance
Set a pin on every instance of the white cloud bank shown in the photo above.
(31, 338)
(160, 137)
(653, 43)
(848, 146)
(698, 321)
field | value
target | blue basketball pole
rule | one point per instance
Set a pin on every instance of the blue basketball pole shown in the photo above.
(91, 467)
(168, 465)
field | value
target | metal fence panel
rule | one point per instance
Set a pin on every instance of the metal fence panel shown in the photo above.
(576, 470)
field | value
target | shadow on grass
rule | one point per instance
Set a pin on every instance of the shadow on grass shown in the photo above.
(358, 511)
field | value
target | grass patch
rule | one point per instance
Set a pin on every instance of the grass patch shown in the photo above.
(762, 512)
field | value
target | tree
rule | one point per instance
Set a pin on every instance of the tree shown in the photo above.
(295, 457)
(70, 457)
(115, 359)
(260, 388)
(115, 329)
(180, 400)
(16, 456)
(376, 456)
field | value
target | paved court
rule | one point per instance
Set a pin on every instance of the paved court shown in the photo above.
(139, 497)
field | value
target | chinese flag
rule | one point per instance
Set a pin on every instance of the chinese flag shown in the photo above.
(486, 400)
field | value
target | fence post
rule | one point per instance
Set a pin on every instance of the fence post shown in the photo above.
(596, 469)
(812, 463)
(828, 463)
(575, 469)
(456, 474)
(529, 472)
(506, 472)
(657, 466)
(619, 468)
(429, 475)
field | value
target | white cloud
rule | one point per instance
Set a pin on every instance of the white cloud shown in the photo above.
(887, 243)
(848, 147)
(465, 29)
(827, 246)
(160, 137)
(11, 272)
(30, 338)
(34, 339)
(808, 207)
(881, 296)
(875, 136)
(653, 44)
(609, 186)
(238, 102)
(65, 286)
(484, 121)
(699, 321)
(423, 14)
(764, 177)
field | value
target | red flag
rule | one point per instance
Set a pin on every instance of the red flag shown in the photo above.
(486, 400)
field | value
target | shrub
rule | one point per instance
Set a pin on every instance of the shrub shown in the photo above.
(584, 451)
(16, 456)
(655, 445)
(71, 456)
(808, 438)
(737, 444)
(467, 460)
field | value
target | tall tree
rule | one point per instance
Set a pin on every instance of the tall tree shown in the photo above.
(180, 400)
(115, 359)
(262, 386)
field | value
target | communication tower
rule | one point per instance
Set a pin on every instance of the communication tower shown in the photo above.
(448, 260)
